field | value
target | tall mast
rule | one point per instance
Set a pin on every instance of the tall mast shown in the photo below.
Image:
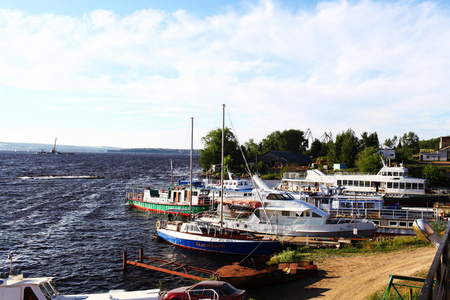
(222, 165)
(190, 175)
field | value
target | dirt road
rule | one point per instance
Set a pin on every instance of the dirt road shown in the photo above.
(355, 277)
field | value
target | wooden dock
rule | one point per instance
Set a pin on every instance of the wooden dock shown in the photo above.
(165, 266)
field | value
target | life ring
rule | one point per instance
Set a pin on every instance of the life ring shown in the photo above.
(158, 225)
(218, 183)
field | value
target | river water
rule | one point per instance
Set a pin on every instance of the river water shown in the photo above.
(77, 229)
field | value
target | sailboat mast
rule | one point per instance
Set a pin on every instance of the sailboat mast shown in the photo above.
(222, 165)
(190, 175)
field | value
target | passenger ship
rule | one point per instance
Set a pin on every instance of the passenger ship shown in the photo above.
(389, 181)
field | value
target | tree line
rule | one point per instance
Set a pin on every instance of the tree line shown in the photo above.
(346, 148)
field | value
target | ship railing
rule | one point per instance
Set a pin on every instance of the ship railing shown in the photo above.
(439, 271)
(384, 213)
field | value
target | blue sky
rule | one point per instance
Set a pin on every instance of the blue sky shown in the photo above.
(133, 73)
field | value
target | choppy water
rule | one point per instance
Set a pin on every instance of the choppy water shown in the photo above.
(77, 229)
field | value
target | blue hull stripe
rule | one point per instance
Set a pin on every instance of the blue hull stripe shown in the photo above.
(229, 246)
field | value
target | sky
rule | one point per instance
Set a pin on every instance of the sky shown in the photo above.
(132, 74)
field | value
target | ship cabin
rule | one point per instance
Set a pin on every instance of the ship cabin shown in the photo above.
(18, 287)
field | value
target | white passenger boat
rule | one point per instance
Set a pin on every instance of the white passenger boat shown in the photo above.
(390, 180)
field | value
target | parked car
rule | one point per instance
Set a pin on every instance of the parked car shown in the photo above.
(214, 290)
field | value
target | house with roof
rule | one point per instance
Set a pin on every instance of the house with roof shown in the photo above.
(442, 154)
(279, 159)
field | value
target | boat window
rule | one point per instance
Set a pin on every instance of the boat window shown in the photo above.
(44, 291)
(421, 186)
(402, 185)
(414, 186)
(403, 223)
(395, 173)
(376, 222)
(389, 185)
(350, 182)
(395, 185)
(370, 205)
(408, 185)
(54, 287)
(50, 290)
(345, 182)
(410, 224)
(28, 294)
(316, 215)
(367, 183)
(359, 205)
(285, 213)
(389, 173)
(339, 182)
(393, 223)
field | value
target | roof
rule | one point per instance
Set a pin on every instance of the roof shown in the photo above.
(284, 156)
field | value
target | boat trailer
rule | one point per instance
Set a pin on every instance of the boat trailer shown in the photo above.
(166, 266)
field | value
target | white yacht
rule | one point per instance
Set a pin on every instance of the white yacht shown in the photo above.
(282, 215)
(390, 181)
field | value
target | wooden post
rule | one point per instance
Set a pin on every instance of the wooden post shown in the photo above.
(141, 255)
(125, 258)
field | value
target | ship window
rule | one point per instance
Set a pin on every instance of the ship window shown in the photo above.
(389, 185)
(402, 185)
(393, 223)
(420, 186)
(44, 291)
(350, 182)
(395, 185)
(50, 290)
(370, 205)
(367, 183)
(316, 215)
(345, 182)
(361, 183)
(414, 186)
(389, 173)
(410, 224)
(395, 173)
(403, 223)
(339, 182)
(285, 213)
(28, 294)
(408, 185)
(359, 205)
(376, 222)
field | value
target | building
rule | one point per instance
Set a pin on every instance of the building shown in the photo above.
(280, 159)
(442, 154)
(387, 152)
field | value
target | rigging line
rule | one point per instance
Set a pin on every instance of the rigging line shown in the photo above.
(259, 195)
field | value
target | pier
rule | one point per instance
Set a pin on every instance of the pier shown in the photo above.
(165, 266)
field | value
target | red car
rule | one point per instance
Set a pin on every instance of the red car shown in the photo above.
(214, 290)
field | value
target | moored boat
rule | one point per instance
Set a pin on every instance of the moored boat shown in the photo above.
(204, 236)
(14, 285)
(177, 197)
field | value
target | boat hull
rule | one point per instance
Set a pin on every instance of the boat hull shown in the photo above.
(218, 245)
(180, 209)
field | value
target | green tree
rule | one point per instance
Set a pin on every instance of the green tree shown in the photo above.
(369, 140)
(212, 151)
(369, 160)
(408, 145)
(429, 144)
(316, 149)
(391, 143)
(344, 149)
(289, 140)
(251, 149)
(433, 175)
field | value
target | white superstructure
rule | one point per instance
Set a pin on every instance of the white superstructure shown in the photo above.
(390, 180)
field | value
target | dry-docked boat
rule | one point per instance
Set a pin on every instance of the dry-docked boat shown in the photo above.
(390, 180)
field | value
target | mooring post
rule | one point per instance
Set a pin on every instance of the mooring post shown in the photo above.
(141, 255)
(125, 258)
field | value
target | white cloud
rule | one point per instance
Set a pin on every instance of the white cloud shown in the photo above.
(366, 65)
